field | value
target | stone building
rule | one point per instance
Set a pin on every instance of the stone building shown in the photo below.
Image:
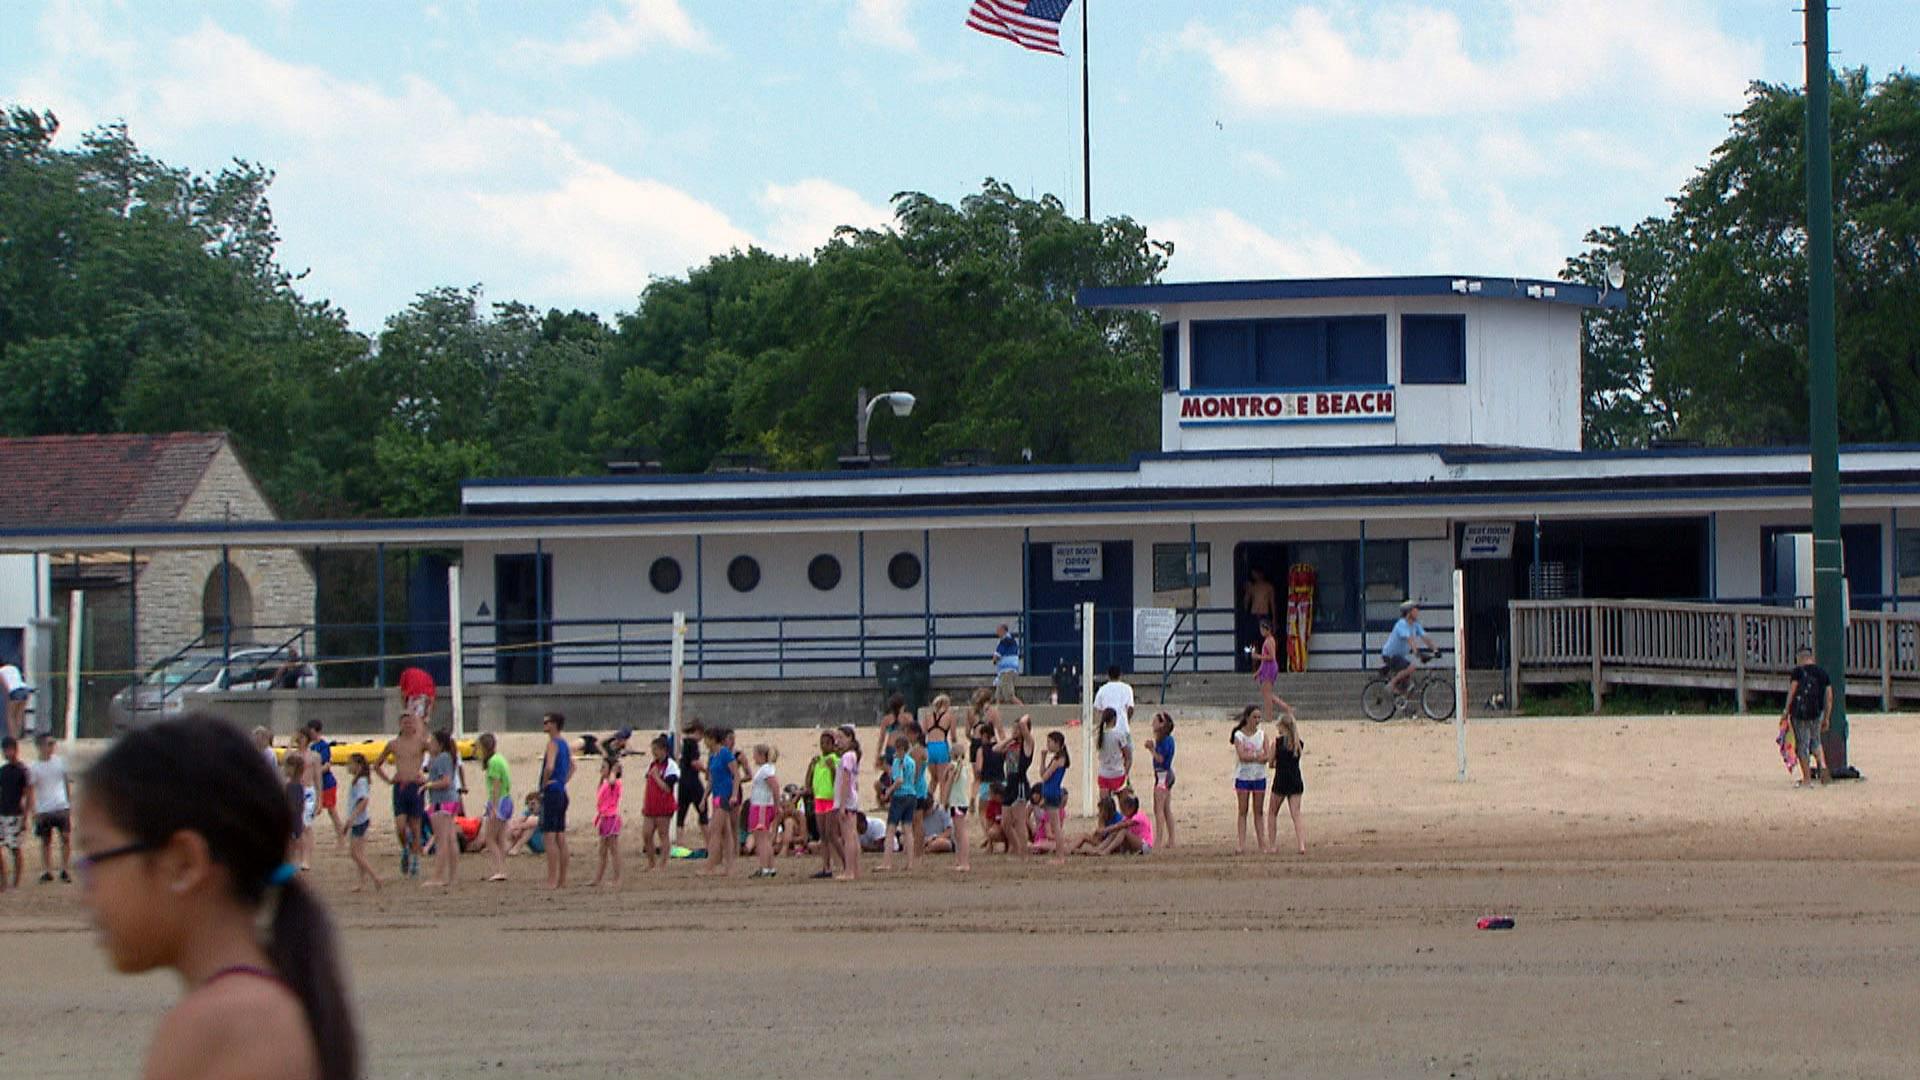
(107, 482)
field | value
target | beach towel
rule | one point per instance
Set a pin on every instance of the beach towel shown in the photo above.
(1788, 752)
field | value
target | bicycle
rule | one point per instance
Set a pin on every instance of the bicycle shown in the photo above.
(1431, 687)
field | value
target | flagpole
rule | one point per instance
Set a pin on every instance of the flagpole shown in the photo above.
(1086, 130)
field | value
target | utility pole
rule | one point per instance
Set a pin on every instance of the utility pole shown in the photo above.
(1086, 129)
(1829, 580)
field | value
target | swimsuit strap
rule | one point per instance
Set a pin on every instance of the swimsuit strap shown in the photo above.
(242, 969)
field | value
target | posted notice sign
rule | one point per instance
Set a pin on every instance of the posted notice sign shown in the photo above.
(1486, 540)
(1076, 561)
(1153, 630)
(1287, 406)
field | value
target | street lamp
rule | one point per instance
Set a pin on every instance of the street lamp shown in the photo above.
(899, 400)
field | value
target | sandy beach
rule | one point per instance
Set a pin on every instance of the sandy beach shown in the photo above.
(1682, 909)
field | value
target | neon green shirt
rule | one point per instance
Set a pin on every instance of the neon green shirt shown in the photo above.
(499, 779)
(822, 778)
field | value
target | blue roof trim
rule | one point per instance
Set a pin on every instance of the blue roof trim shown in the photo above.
(455, 526)
(1448, 454)
(1217, 292)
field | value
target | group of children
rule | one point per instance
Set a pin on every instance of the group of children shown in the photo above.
(926, 795)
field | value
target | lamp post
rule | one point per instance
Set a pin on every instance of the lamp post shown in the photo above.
(1829, 581)
(899, 400)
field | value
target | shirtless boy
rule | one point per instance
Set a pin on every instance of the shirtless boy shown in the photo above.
(407, 751)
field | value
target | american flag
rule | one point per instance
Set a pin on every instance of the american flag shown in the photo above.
(1030, 24)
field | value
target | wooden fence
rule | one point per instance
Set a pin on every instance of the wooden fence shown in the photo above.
(1740, 648)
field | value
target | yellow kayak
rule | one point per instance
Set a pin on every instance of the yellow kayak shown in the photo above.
(343, 751)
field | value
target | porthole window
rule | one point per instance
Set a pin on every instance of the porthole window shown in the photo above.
(824, 572)
(743, 573)
(664, 574)
(904, 570)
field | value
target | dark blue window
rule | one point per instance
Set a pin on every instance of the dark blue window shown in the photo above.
(1287, 353)
(1357, 352)
(1170, 356)
(1433, 349)
(1222, 353)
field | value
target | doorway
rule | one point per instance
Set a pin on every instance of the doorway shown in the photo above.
(1272, 559)
(523, 610)
(1786, 564)
(1052, 635)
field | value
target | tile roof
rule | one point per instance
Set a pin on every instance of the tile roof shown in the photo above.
(102, 479)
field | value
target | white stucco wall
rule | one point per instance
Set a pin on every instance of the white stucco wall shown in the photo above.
(1522, 388)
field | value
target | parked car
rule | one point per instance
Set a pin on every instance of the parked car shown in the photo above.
(171, 687)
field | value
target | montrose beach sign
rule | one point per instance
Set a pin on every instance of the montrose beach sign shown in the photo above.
(1286, 406)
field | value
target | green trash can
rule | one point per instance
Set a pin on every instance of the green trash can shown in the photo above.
(908, 676)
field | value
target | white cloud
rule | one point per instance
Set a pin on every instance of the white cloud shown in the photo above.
(1417, 61)
(609, 35)
(882, 23)
(803, 215)
(1220, 244)
(603, 234)
(400, 186)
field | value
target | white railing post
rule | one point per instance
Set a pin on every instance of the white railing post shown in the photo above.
(456, 661)
(76, 605)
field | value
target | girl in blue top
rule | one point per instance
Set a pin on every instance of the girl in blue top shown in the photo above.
(723, 845)
(909, 777)
(1163, 779)
(1053, 791)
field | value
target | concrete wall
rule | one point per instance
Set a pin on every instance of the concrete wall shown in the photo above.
(1522, 388)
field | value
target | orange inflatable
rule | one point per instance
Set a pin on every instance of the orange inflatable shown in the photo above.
(1301, 580)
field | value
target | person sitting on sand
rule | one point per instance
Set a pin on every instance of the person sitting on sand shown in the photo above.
(524, 833)
(1110, 819)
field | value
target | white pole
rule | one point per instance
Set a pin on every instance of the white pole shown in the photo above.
(1460, 669)
(76, 603)
(456, 662)
(1087, 723)
(678, 673)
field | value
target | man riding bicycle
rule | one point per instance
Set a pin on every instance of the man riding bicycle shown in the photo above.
(1398, 654)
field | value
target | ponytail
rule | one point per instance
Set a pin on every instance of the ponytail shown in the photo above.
(304, 953)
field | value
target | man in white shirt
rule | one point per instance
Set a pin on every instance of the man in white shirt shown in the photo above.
(1118, 696)
(47, 779)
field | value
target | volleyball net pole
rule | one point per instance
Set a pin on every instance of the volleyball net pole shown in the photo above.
(1460, 670)
(1087, 723)
(677, 674)
(456, 662)
(76, 604)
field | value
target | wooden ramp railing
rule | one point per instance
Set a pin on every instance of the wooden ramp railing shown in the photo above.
(1742, 648)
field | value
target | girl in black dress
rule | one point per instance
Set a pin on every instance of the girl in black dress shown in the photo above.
(1287, 784)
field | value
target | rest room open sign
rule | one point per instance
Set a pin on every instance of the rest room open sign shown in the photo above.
(1077, 562)
(1486, 540)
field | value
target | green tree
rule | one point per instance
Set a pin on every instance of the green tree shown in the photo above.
(1712, 345)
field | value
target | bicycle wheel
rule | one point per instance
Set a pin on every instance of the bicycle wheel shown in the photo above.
(1377, 701)
(1436, 698)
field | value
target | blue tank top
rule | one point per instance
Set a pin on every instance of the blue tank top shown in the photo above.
(1164, 747)
(562, 766)
(1054, 781)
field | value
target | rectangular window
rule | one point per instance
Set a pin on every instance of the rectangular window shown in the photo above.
(1289, 353)
(1356, 352)
(1386, 582)
(1433, 349)
(1335, 599)
(1906, 561)
(1170, 356)
(1222, 354)
(1175, 566)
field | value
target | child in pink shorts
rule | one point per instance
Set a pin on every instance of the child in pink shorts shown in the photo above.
(763, 807)
(606, 818)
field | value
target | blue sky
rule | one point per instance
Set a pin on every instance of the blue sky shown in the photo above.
(563, 153)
